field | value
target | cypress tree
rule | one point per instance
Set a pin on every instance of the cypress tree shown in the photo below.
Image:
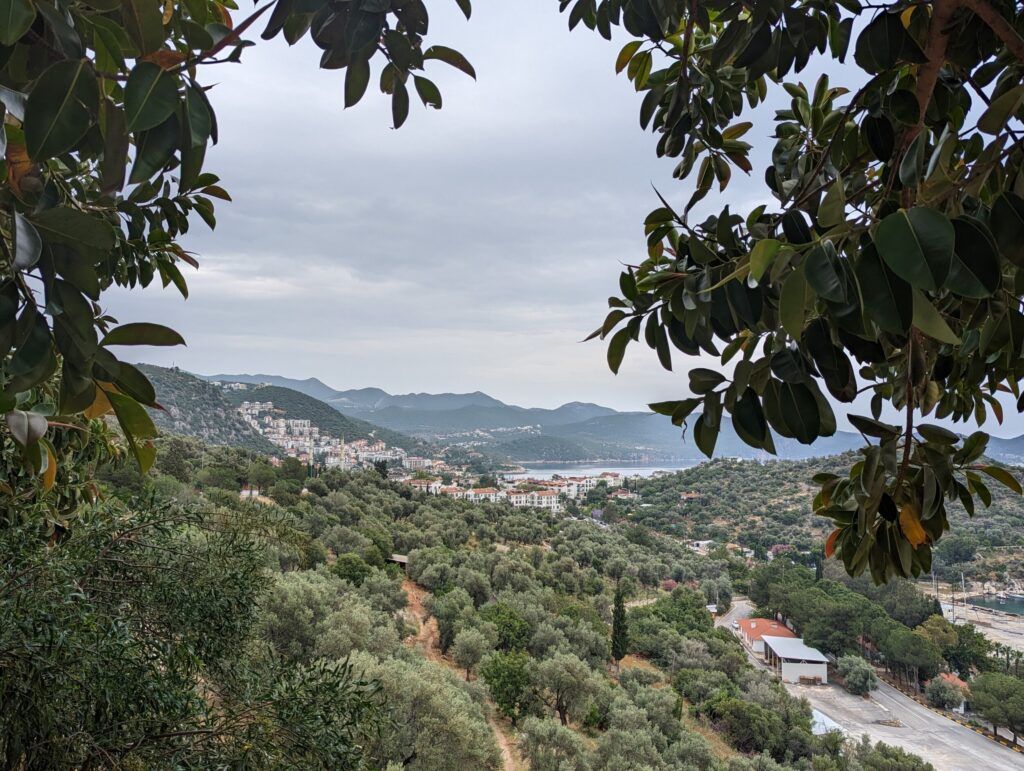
(620, 627)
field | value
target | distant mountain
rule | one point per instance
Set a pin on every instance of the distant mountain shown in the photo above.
(1009, 451)
(426, 414)
(300, 406)
(576, 431)
(310, 386)
(193, 407)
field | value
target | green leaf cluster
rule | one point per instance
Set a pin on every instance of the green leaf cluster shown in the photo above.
(888, 262)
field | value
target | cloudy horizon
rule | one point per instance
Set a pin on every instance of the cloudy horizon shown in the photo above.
(471, 250)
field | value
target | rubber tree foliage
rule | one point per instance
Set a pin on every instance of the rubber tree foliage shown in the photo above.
(107, 115)
(890, 261)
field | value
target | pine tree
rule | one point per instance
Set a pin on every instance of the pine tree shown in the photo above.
(620, 627)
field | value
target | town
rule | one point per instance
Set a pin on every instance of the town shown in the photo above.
(300, 439)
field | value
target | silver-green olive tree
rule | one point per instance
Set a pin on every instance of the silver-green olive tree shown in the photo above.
(889, 261)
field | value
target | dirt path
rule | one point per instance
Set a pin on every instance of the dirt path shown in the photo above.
(427, 640)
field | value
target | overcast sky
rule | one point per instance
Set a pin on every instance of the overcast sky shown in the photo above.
(473, 249)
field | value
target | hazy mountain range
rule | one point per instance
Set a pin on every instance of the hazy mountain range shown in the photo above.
(577, 431)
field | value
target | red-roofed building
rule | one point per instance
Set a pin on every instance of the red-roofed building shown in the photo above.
(753, 629)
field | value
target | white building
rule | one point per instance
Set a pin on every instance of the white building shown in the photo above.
(794, 661)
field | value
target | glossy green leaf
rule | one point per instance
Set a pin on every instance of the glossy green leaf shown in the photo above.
(917, 245)
(912, 164)
(626, 54)
(617, 349)
(928, 319)
(134, 383)
(75, 228)
(115, 148)
(399, 104)
(200, 119)
(704, 380)
(762, 256)
(832, 210)
(150, 96)
(428, 92)
(831, 361)
(874, 428)
(16, 17)
(1004, 477)
(142, 333)
(451, 57)
(825, 274)
(142, 20)
(705, 436)
(61, 108)
(137, 427)
(799, 411)
(975, 271)
(154, 150)
(357, 78)
(793, 303)
(749, 420)
(999, 112)
(27, 243)
(1007, 223)
(888, 297)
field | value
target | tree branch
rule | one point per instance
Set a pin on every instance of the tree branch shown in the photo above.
(935, 52)
(999, 25)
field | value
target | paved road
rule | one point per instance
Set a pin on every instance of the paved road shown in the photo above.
(943, 743)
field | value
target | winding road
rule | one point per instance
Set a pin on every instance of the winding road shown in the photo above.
(945, 744)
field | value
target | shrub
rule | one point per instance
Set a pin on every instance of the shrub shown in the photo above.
(858, 675)
(943, 694)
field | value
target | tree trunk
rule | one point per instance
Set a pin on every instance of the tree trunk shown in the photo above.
(562, 710)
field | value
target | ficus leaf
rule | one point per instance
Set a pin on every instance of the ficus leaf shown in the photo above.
(150, 96)
(142, 333)
(27, 428)
(928, 319)
(917, 244)
(61, 108)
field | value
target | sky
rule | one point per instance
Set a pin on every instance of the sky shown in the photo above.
(471, 250)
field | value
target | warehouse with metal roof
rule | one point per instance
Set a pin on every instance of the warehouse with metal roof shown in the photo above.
(794, 661)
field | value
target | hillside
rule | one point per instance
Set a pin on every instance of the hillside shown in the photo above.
(299, 406)
(762, 504)
(196, 408)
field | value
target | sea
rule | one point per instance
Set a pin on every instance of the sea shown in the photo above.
(1016, 607)
(588, 470)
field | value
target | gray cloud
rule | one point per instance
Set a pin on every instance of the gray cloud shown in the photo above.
(472, 249)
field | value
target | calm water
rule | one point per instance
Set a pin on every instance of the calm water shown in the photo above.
(547, 472)
(1012, 606)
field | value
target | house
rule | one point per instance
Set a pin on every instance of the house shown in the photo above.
(430, 486)
(702, 547)
(623, 494)
(753, 631)
(794, 661)
(491, 494)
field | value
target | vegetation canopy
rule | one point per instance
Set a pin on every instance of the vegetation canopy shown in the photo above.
(889, 262)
